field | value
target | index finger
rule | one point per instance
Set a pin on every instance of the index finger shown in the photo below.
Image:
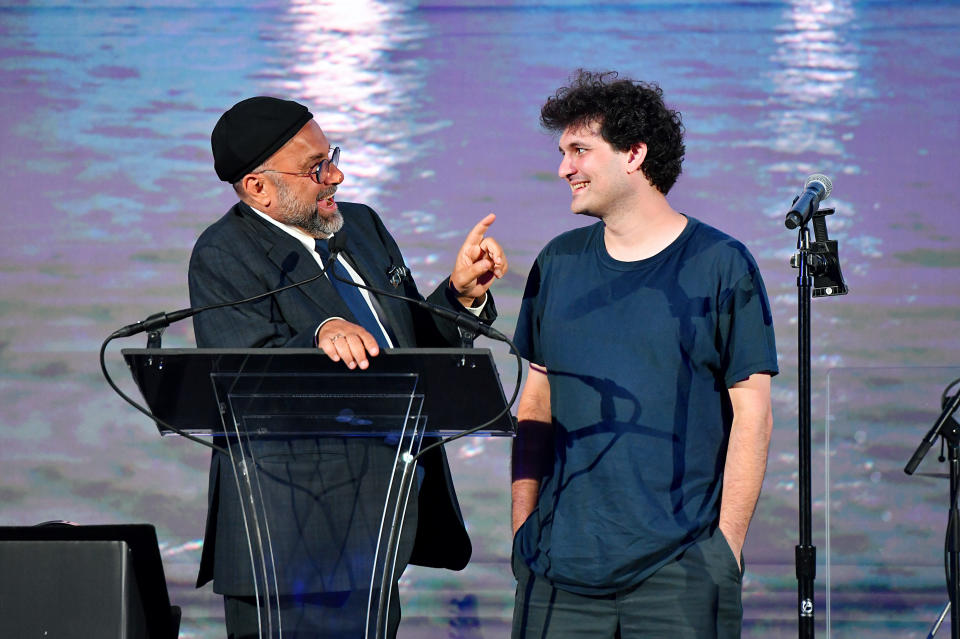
(476, 233)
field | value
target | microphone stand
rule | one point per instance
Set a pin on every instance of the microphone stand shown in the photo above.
(819, 275)
(947, 428)
(952, 435)
(805, 552)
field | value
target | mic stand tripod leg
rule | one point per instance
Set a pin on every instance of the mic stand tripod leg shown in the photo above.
(939, 621)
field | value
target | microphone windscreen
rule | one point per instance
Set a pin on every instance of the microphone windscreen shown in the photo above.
(824, 181)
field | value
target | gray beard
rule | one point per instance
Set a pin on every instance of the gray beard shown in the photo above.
(304, 214)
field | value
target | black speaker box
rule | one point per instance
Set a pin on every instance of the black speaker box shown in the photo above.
(84, 582)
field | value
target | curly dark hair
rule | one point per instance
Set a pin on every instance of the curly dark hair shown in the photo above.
(628, 112)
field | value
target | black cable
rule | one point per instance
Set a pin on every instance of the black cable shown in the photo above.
(162, 320)
(506, 409)
(467, 321)
(946, 392)
(145, 411)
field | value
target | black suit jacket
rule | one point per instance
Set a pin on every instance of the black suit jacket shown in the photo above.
(326, 495)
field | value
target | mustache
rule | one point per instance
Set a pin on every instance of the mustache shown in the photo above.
(327, 193)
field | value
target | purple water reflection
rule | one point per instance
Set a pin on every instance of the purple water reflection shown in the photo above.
(106, 149)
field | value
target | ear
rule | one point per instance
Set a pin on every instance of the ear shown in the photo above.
(257, 190)
(635, 156)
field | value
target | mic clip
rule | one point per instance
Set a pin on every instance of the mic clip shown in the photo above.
(155, 334)
(822, 259)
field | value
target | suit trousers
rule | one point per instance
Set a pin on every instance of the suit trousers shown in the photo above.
(695, 596)
(330, 615)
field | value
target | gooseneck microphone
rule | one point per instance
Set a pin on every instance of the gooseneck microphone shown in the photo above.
(163, 320)
(950, 406)
(336, 244)
(816, 190)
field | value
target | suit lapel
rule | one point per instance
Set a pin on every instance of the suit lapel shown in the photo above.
(295, 264)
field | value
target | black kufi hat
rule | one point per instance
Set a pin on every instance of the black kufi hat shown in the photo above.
(251, 131)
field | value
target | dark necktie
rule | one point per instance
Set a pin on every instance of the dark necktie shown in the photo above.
(351, 295)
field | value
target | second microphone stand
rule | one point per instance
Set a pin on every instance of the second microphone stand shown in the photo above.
(805, 551)
(947, 428)
(819, 275)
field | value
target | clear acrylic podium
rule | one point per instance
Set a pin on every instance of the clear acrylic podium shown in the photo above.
(284, 414)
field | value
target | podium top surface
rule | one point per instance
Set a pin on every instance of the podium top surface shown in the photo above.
(460, 387)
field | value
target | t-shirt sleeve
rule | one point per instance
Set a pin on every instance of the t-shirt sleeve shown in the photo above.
(526, 337)
(746, 330)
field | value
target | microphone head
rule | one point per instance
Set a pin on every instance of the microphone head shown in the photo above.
(823, 180)
(338, 242)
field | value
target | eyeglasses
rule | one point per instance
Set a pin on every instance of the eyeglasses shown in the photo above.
(319, 174)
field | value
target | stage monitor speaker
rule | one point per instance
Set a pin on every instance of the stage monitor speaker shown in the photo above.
(80, 582)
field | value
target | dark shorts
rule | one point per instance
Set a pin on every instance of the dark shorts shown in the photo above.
(695, 596)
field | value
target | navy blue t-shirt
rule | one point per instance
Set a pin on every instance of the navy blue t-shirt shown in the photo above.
(639, 357)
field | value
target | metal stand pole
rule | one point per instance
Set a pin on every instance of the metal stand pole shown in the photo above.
(952, 437)
(806, 552)
(819, 275)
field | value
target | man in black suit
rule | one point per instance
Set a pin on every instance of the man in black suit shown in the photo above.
(329, 491)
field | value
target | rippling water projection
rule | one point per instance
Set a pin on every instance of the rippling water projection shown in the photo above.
(108, 108)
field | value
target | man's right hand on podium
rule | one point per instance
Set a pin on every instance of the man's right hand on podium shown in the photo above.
(347, 342)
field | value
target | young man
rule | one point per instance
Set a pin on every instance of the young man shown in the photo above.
(645, 418)
(326, 493)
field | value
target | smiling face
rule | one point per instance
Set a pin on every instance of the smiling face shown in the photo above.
(597, 173)
(297, 200)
